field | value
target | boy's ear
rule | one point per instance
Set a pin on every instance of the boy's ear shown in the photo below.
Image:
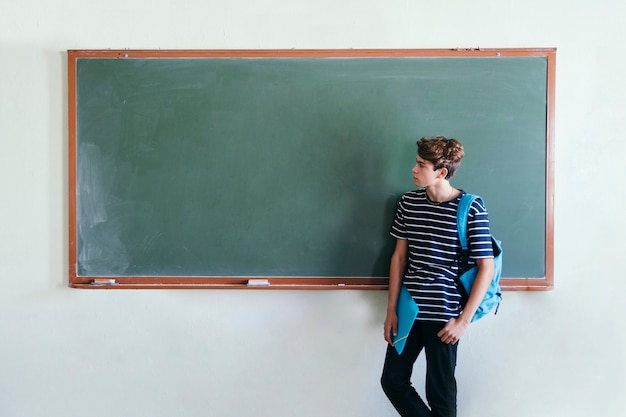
(443, 173)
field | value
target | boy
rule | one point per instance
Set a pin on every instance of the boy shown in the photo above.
(425, 260)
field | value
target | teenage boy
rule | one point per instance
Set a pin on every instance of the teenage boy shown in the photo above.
(425, 261)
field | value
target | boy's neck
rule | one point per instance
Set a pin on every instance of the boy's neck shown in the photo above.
(441, 192)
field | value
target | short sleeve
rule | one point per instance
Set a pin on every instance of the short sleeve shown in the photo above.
(478, 231)
(398, 228)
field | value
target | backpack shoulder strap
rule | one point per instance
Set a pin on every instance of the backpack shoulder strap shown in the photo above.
(462, 214)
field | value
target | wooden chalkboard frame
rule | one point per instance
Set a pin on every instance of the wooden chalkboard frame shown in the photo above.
(305, 283)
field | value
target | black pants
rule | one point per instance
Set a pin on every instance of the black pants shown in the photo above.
(440, 380)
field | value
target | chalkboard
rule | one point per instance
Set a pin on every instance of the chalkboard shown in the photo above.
(224, 169)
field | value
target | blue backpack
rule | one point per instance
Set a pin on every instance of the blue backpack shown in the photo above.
(467, 275)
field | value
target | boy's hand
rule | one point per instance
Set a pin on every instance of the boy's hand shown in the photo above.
(453, 330)
(391, 327)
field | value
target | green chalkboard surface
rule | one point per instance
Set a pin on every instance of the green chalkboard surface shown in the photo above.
(192, 166)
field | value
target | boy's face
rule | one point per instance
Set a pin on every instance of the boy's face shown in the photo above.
(424, 173)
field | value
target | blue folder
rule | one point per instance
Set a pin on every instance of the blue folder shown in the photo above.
(406, 310)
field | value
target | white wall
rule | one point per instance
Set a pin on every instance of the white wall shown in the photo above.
(71, 353)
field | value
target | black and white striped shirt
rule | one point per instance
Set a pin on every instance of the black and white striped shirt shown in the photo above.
(433, 250)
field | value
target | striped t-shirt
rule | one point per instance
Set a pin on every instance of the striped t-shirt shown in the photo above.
(434, 248)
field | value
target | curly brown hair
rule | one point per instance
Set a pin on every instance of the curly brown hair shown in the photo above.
(442, 152)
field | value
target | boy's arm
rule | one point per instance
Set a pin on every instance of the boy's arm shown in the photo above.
(479, 289)
(396, 272)
(455, 328)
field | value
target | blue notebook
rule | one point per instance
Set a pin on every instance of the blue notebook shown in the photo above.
(407, 312)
